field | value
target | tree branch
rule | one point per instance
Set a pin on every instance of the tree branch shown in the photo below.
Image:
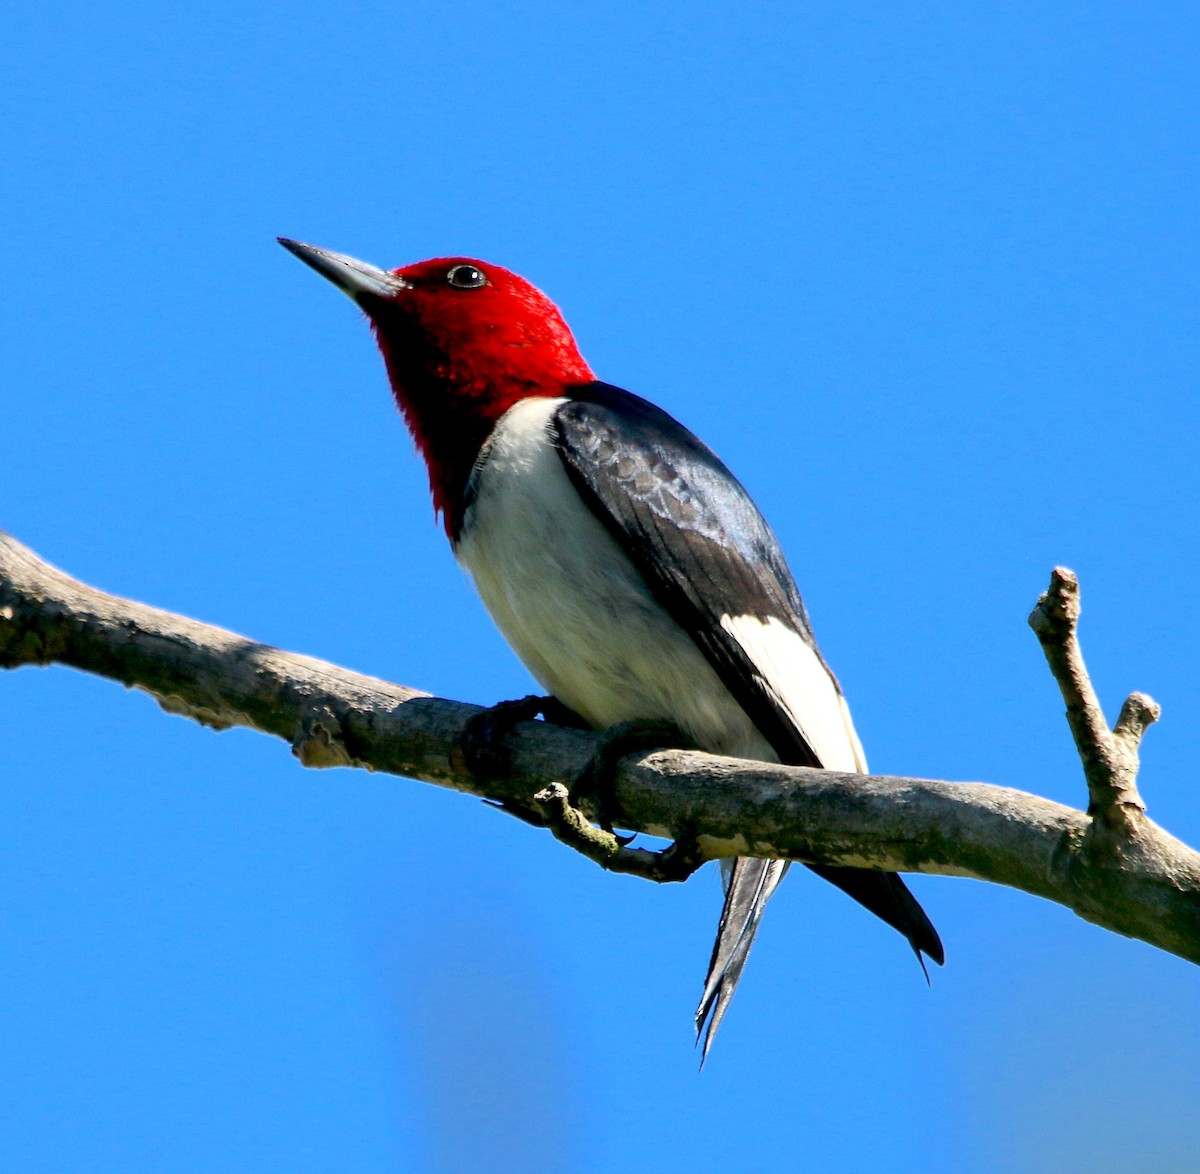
(1114, 866)
(1110, 757)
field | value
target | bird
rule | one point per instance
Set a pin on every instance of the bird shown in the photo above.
(622, 561)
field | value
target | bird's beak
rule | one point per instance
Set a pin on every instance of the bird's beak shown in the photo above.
(357, 279)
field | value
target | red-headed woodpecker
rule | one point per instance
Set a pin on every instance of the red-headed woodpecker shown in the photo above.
(623, 562)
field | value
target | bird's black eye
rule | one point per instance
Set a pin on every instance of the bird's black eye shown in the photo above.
(466, 277)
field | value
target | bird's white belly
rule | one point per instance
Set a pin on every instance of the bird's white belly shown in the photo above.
(572, 605)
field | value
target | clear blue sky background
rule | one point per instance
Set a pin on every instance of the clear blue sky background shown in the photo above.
(926, 278)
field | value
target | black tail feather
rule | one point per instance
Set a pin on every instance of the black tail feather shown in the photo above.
(750, 885)
(888, 897)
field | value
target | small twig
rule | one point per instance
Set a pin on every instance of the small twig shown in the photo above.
(1137, 715)
(571, 826)
(1110, 757)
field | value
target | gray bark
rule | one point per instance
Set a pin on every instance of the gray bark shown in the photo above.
(1110, 864)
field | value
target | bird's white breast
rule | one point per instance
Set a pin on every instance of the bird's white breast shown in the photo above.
(572, 605)
(580, 616)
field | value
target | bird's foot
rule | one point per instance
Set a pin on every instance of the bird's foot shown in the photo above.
(597, 780)
(483, 740)
(556, 807)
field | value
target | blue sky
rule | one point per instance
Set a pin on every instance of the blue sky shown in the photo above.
(925, 278)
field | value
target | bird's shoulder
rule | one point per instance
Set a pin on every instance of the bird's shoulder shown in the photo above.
(675, 501)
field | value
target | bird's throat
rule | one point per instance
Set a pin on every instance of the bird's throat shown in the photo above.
(452, 390)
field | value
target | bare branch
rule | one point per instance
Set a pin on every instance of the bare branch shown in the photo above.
(1143, 882)
(1110, 757)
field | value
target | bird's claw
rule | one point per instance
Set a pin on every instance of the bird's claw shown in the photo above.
(487, 756)
(482, 740)
(597, 780)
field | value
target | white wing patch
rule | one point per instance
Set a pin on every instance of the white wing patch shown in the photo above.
(793, 672)
(574, 609)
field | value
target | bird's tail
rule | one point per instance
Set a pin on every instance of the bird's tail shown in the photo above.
(749, 885)
(888, 897)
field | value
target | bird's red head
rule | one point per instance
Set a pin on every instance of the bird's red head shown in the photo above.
(463, 341)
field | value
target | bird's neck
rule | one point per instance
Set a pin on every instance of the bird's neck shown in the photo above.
(451, 402)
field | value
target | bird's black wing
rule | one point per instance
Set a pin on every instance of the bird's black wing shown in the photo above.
(709, 557)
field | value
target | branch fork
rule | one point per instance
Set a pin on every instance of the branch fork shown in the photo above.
(1110, 757)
